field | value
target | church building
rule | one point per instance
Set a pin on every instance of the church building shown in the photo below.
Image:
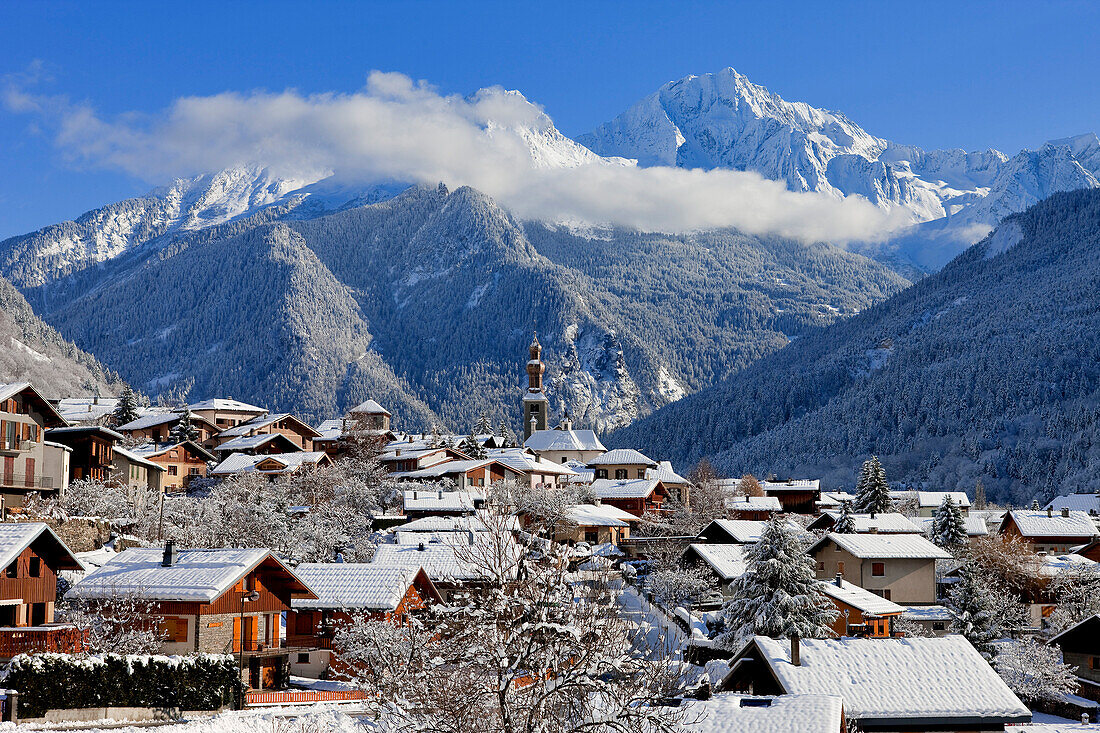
(535, 404)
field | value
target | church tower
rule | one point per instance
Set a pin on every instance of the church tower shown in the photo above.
(535, 404)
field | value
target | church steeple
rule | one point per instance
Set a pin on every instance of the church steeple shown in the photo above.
(535, 404)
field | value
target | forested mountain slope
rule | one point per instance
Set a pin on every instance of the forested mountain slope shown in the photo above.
(426, 302)
(31, 351)
(988, 370)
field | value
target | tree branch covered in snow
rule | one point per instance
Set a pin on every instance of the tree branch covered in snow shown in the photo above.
(1034, 671)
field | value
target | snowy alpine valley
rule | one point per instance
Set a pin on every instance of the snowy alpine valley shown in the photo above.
(529, 368)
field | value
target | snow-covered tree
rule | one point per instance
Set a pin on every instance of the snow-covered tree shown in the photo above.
(948, 525)
(979, 495)
(844, 523)
(749, 486)
(484, 425)
(436, 441)
(1035, 505)
(1034, 671)
(1076, 591)
(673, 586)
(872, 491)
(126, 410)
(472, 447)
(184, 429)
(973, 608)
(121, 624)
(778, 596)
(506, 434)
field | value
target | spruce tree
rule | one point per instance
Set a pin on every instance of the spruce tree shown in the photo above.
(948, 525)
(844, 523)
(872, 492)
(185, 429)
(127, 408)
(778, 596)
(506, 435)
(973, 609)
(484, 426)
(1035, 505)
(471, 447)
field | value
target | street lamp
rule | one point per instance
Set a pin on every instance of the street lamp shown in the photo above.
(245, 598)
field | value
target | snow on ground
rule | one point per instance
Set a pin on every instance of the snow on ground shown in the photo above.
(271, 720)
(1046, 723)
(654, 630)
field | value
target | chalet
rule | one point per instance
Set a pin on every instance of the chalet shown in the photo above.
(1049, 531)
(860, 612)
(226, 413)
(739, 531)
(929, 501)
(420, 503)
(31, 556)
(329, 435)
(636, 496)
(564, 444)
(885, 523)
(217, 601)
(1080, 645)
(401, 459)
(539, 473)
(25, 415)
(975, 525)
(466, 474)
(726, 562)
(936, 620)
(912, 684)
(368, 417)
(798, 496)
(262, 444)
(93, 451)
(835, 499)
(1088, 503)
(899, 567)
(752, 508)
(1090, 550)
(291, 428)
(675, 484)
(346, 591)
(276, 464)
(731, 713)
(93, 410)
(156, 428)
(596, 524)
(456, 564)
(135, 472)
(182, 462)
(621, 464)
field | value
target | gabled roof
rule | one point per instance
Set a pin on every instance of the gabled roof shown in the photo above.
(911, 681)
(665, 474)
(11, 389)
(639, 488)
(361, 586)
(434, 524)
(252, 442)
(753, 504)
(451, 468)
(745, 531)
(600, 515)
(622, 457)
(887, 523)
(419, 500)
(1082, 637)
(18, 536)
(1076, 502)
(257, 423)
(135, 458)
(77, 430)
(443, 562)
(230, 405)
(729, 713)
(884, 546)
(794, 484)
(975, 525)
(286, 462)
(370, 407)
(153, 419)
(521, 460)
(150, 450)
(932, 499)
(198, 576)
(564, 440)
(1037, 523)
(728, 561)
(865, 601)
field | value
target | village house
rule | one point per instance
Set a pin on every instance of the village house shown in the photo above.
(539, 473)
(94, 410)
(563, 444)
(935, 620)
(217, 601)
(752, 508)
(929, 501)
(1088, 503)
(272, 466)
(369, 418)
(885, 523)
(182, 462)
(156, 428)
(399, 458)
(93, 450)
(226, 413)
(25, 415)
(289, 427)
(1048, 531)
(888, 685)
(263, 444)
(621, 464)
(596, 524)
(346, 591)
(455, 563)
(975, 525)
(467, 474)
(636, 496)
(739, 531)
(731, 713)
(798, 496)
(676, 485)
(899, 567)
(860, 612)
(424, 503)
(1080, 645)
(834, 500)
(137, 473)
(726, 562)
(31, 556)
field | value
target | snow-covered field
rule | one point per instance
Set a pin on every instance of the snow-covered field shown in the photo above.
(276, 720)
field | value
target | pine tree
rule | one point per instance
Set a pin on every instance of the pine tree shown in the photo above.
(471, 447)
(484, 426)
(1035, 505)
(973, 609)
(844, 523)
(948, 525)
(778, 596)
(185, 429)
(506, 434)
(872, 492)
(127, 408)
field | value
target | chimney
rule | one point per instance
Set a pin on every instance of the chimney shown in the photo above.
(414, 493)
(1065, 511)
(839, 580)
(872, 529)
(1050, 512)
(420, 547)
(872, 515)
(470, 535)
(398, 451)
(796, 652)
(441, 496)
(171, 556)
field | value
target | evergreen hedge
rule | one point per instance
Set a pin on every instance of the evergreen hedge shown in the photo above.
(63, 681)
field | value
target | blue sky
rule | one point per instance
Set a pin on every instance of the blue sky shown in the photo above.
(972, 75)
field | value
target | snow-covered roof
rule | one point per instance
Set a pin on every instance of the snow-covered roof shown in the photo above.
(198, 576)
(84, 409)
(835, 498)
(447, 468)
(366, 586)
(135, 458)
(564, 440)
(622, 457)
(754, 503)
(665, 474)
(932, 499)
(638, 488)
(287, 462)
(747, 531)
(474, 523)
(261, 421)
(226, 404)
(887, 523)
(975, 526)
(521, 460)
(148, 450)
(867, 602)
(1052, 565)
(928, 613)
(18, 536)
(728, 561)
(419, 500)
(78, 429)
(330, 429)
(600, 515)
(369, 407)
(252, 442)
(907, 681)
(151, 420)
(731, 713)
(1038, 523)
(794, 484)
(443, 562)
(885, 546)
(1089, 503)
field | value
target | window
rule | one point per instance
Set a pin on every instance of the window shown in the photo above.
(12, 570)
(878, 569)
(174, 629)
(840, 568)
(601, 473)
(592, 536)
(536, 408)
(303, 657)
(248, 583)
(821, 567)
(194, 471)
(36, 567)
(641, 473)
(173, 471)
(939, 626)
(620, 473)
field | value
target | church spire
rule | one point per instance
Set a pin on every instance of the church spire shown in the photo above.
(535, 404)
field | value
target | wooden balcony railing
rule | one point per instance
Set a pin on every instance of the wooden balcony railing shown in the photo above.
(23, 481)
(38, 639)
(308, 641)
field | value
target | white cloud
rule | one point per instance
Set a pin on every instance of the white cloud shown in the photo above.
(398, 129)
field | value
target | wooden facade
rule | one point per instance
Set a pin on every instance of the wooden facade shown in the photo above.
(93, 454)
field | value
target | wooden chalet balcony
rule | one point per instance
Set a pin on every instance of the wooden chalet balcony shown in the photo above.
(251, 646)
(62, 639)
(22, 481)
(308, 641)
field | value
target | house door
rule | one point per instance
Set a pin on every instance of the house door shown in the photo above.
(38, 614)
(9, 471)
(7, 615)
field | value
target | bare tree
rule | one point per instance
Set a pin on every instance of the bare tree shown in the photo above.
(750, 486)
(124, 623)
